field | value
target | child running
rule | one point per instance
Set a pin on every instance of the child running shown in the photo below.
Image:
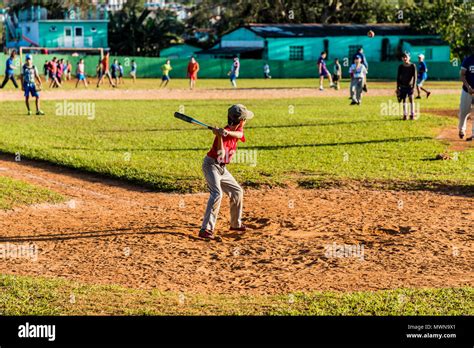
(422, 76)
(406, 81)
(219, 179)
(10, 70)
(105, 70)
(81, 73)
(323, 71)
(29, 77)
(165, 70)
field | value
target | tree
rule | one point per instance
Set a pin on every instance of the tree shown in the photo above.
(452, 20)
(137, 31)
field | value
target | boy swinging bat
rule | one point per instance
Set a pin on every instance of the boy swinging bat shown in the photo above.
(219, 179)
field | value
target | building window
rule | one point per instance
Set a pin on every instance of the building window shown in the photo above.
(296, 52)
(353, 50)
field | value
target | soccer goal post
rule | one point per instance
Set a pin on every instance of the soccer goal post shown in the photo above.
(73, 52)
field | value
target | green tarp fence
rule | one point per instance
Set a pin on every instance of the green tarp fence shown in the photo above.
(250, 68)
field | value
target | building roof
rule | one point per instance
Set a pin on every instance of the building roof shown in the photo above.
(427, 42)
(322, 30)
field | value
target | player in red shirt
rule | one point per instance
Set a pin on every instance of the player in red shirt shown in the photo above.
(219, 179)
(193, 69)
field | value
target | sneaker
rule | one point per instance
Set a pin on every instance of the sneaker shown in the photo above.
(242, 228)
(461, 134)
(321, 88)
(209, 235)
(405, 117)
(358, 102)
(39, 112)
(353, 102)
(471, 138)
(364, 88)
(428, 95)
(412, 117)
(418, 97)
(29, 113)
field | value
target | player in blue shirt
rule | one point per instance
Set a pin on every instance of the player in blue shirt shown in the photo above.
(467, 95)
(29, 77)
(422, 76)
(323, 71)
(10, 70)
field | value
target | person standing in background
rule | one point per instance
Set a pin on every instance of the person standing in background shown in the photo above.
(234, 72)
(193, 69)
(266, 71)
(133, 71)
(406, 81)
(337, 73)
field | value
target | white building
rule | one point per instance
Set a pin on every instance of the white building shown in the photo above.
(112, 5)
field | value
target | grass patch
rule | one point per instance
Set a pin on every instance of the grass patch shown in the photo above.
(21, 295)
(16, 193)
(321, 139)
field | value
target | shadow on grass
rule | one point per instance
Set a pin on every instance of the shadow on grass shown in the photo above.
(261, 147)
(320, 124)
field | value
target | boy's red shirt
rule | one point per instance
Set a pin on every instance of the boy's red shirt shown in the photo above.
(230, 147)
(193, 68)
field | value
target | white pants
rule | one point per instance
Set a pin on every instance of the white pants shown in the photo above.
(220, 180)
(465, 108)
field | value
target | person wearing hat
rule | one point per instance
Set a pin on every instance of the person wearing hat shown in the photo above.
(422, 76)
(219, 179)
(29, 77)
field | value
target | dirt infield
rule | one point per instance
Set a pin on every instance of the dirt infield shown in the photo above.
(113, 233)
(106, 93)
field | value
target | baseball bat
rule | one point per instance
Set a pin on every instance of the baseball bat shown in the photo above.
(189, 119)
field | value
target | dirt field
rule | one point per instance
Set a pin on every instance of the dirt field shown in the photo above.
(105, 93)
(113, 233)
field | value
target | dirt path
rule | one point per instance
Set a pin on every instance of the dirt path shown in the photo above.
(113, 233)
(106, 93)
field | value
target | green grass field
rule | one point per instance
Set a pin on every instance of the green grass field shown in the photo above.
(41, 296)
(305, 140)
(244, 83)
(15, 193)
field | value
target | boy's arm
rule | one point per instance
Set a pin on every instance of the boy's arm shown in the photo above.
(414, 76)
(464, 81)
(38, 78)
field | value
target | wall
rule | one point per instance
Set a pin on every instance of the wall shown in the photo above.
(250, 68)
(56, 38)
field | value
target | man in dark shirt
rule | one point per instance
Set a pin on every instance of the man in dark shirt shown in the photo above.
(406, 80)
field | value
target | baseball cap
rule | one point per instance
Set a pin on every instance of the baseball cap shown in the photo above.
(28, 56)
(239, 112)
(421, 55)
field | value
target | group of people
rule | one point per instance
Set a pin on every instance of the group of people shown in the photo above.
(193, 69)
(57, 70)
(409, 77)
